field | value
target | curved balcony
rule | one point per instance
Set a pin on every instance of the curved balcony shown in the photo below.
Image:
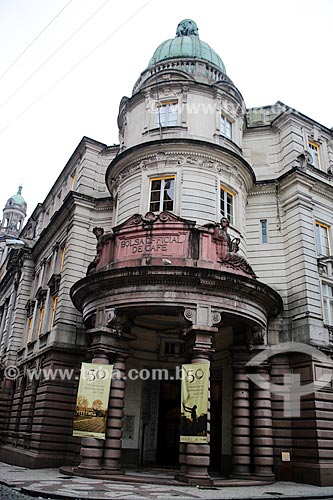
(164, 261)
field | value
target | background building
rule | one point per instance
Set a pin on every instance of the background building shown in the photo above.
(168, 284)
(13, 217)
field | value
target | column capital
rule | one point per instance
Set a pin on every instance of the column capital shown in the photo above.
(202, 315)
(200, 340)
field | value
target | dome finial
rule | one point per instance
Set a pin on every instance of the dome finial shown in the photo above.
(19, 190)
(187, 27)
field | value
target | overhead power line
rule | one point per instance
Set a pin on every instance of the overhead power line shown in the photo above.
(75, 66)
(52, 55)
(34, 40)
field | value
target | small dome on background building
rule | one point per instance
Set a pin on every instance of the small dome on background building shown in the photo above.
(17, 198)
(187, 44)
(14, 214)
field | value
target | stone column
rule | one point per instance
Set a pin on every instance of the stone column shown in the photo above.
(92, 448)
(262, 427)
(114, 426)
(194, 457)
(241, 431)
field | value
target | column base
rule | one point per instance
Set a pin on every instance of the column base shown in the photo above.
(193, 479)
(240, 475)
(112, 471)
(89, 470)
(264, 477)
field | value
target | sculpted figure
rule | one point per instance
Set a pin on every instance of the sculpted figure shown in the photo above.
(98, 232)
(187, 27)
(227, 248)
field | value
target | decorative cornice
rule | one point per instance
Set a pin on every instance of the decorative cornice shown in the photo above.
(249, 291)
(192, 148)
(179, 159)
(259, 192)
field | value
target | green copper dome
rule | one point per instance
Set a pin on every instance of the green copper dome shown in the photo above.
(18, 198)
(186, 44)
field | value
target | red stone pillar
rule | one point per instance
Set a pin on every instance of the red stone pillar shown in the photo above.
(262, 427)
(92, 448)
(7, 388)
(114, 426)
(241, 431)
(194, 457)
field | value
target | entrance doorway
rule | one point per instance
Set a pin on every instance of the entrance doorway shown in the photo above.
(168, 423)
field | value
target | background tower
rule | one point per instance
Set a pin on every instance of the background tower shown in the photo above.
(14, 214)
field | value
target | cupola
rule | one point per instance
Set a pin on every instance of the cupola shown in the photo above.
(186, 44)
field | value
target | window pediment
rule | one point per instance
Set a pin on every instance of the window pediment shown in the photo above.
(54, 283)
(41, 295)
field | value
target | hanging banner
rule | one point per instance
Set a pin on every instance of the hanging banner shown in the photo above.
(92, 400)
(194, 401)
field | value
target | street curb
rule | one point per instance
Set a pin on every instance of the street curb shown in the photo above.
(58, 496)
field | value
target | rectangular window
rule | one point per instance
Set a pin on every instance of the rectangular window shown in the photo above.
(162, 194)
(167, 114)
(172, 348)
(47, 218)
(73, 177)
(226, 127)
(327, 291)
(36, 284)
(322, 239)
(314, 151)
(227, 204)
(58, 201)
(29, 330)
(54, 309)
(40, 321)
(264, 231)
(62, 258)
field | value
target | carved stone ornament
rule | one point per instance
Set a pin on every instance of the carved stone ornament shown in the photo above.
(150, 218)
(190, 315)
(256, 336)
(216, 318)
(41, 295)
(227, 248)
(186, 320)
(304, 159)
(30, 230)
(180, 158)
(29, 307)
(116, 321)
(187, 27)
(330, 333)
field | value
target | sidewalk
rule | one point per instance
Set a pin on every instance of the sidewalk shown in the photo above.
(50, 483)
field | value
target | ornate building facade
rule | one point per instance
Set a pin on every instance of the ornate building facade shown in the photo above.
(215, 246)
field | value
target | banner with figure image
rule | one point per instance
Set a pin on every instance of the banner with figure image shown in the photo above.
(194, 401)
(92, 400)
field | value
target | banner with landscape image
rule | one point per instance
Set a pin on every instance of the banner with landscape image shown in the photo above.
(194, 401)
(92, 400)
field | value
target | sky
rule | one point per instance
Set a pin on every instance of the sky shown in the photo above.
(66, 64)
